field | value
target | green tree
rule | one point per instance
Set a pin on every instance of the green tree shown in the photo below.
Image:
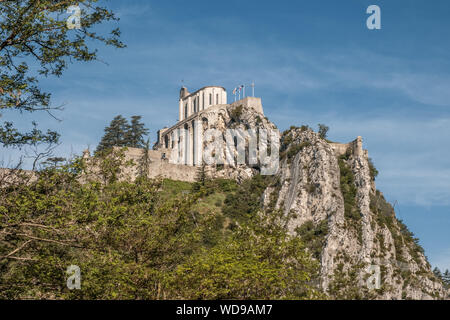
(121, 234)
(134, 137)
(36, 33)
(246, 201)
(446, 278)
(144, 161)
(373, 170)
(54, 161)
(201, 177)
(115, 134)
(437, 273)
(323, 131)
(120, 133)
(258, 261)
(137, 240)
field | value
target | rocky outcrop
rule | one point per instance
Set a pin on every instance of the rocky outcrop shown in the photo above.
(327, 192)
(328, 189)
(240, 118)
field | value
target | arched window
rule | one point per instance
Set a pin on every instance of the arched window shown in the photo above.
(205, 123)
(185, 111)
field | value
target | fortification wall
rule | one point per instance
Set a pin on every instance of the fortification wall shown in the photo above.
(250, 103)
(159, 165)
(355, 147)
(16, 176)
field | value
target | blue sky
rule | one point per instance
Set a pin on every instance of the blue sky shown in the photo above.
(312, 62)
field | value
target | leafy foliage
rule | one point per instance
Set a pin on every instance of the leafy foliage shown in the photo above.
(236, 113)
(246, 200)
(373, 170)
(34, 36)
(250, 264)
(323, 130)
(402, 236)
(147, 239)
(134, 137)
(446, 279)
(383, 210)
(443, 276)
(349, 190)
(120, 133)
(345, 283)
(314, 236)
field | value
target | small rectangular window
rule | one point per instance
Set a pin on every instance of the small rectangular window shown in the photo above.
(210, 99)
(217, 98)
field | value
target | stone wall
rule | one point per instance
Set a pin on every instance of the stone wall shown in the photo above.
(250, 103)
(354, 147)
(15, 176)
(159, 165)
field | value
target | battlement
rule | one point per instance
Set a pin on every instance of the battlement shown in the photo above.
(250, 103)
(355, 147)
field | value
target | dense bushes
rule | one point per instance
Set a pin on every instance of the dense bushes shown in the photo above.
(246, 200)
(148, 239)
(236, 113)
(349, 190)
(314, 236)
(372, 170)
(249, 264)
(402, 236)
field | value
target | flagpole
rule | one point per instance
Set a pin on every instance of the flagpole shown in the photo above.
(244, 91)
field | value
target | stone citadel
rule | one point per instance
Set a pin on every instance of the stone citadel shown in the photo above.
(203, 109)
(199, 111)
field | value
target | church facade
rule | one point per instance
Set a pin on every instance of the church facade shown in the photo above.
(198, 111)
(191, 103)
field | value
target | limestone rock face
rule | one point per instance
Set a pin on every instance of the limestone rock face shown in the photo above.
(327, 192)
(239, 118)
(329, 189)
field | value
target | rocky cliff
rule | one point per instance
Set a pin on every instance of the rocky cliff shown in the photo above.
(328, 192)
(240, 118)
